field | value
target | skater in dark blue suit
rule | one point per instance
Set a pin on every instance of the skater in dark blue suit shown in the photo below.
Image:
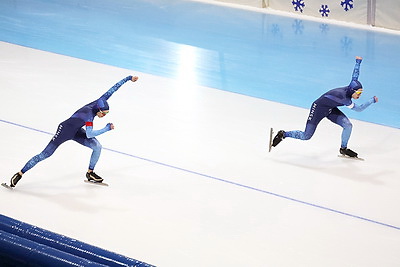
(326, 107)
(71, 129)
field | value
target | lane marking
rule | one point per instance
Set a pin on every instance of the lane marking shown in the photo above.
(226, 181)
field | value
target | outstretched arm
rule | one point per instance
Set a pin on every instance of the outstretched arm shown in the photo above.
(116, 86)
(90, 132)
(361, 107)
(356, 70)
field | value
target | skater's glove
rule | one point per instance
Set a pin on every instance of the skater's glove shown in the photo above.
(109, 126)
(92, 133)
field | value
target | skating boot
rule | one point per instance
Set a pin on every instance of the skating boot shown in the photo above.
(15, 179)
(348, 152)
(94, 178)
(278, 138)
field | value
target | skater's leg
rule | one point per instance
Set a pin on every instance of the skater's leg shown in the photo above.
(346, 133)
(316, 114)
(340, 119)
(92, 143)
(47, 152)
(65, 131)
(306, 135)
(96, 147)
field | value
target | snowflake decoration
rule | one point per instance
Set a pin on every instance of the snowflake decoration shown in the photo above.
(324, 10)
(275, 29)
(324, 28)
(298, 26)
(298, 5)
(346, 43)
(347, 4)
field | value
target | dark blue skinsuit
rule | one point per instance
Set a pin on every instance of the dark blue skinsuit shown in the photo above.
(71, 129)
(326, 107)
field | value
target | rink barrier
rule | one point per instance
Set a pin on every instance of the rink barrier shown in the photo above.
(23, 242)
(18, 251)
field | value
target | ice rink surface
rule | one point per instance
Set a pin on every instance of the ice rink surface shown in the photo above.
(191, 182)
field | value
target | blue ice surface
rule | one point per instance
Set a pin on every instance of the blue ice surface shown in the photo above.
(283, 59)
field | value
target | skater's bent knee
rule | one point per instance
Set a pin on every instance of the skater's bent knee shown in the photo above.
(348, 125)
(307, 136)
(97, 146)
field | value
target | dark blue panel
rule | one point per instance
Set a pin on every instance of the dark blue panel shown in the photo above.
(17, 251)
(35, 238)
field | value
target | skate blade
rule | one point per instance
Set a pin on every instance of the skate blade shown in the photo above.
(96, 183)
(271, 132)
(353, 158)
(7, 186)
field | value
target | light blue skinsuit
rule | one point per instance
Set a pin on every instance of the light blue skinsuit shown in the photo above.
(71, 129)
(326, 106)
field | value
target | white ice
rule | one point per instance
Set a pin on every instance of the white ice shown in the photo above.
(194, 184)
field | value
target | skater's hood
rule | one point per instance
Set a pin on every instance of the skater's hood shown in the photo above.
(353, 87)
(101, 105)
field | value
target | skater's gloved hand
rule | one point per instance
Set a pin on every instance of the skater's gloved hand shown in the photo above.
(92, 133)
(358, 59)
(110, 126)
(375, 99)
(134, 78)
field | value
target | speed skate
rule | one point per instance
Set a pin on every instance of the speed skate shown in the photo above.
(96, 183)
(271, 132)
(347, 157)
(7, 186)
